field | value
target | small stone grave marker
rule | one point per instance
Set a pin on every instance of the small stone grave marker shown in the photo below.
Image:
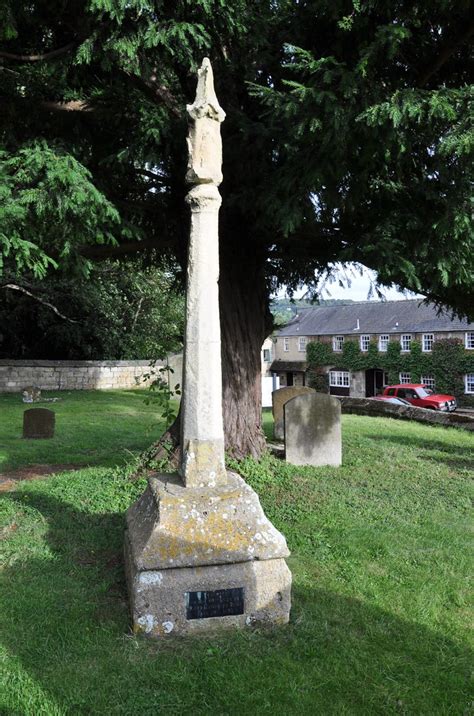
(313, 430)
(279, 398)
(38, 423)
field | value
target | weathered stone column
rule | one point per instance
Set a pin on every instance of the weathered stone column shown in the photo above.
(202, 433)
(202, 555)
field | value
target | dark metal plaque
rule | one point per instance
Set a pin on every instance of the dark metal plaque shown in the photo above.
(218, 603)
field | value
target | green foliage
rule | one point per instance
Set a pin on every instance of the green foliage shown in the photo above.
(318, 354)
(351, 355)
(393, 361)
(120, 311)
(354, 121)
(49, 209)
(160, 393)
(448, 362)
(318, 381)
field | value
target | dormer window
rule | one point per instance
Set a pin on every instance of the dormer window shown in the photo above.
(337, 343)
(364, 343)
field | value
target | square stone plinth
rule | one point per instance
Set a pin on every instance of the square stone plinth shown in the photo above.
(200, 559)
(197, 600)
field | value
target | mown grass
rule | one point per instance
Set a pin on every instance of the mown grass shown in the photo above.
(381, 565)
(92, 428)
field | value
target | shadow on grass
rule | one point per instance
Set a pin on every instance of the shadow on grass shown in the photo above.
(65, 625)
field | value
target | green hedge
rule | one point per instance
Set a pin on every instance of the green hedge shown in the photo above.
(448, 362)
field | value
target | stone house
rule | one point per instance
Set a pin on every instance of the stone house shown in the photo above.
(372, 325)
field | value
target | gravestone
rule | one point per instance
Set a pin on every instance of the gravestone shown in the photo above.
(38, 423)
(200, 554)
(31, 394)
(313, 430)
(279, 398)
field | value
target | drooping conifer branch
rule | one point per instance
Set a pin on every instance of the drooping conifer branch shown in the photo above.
(39, 57)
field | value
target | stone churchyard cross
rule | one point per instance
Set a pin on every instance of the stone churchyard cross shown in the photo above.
(202, 433)
(200, 554)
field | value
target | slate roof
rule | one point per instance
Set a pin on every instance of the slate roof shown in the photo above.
(293, 366)
(406, 316)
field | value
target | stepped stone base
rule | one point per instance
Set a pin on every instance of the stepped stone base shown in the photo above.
(203, 559)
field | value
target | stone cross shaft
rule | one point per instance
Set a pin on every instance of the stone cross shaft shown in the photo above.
(202, 432)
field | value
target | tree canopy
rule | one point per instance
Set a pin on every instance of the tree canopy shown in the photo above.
(119, 311)
(348, 137)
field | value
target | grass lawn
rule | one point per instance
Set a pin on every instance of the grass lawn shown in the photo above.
(381, 563)
(92, 428)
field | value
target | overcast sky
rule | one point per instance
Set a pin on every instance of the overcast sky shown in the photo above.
(359, 288)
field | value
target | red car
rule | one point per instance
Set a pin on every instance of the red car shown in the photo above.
(421, 396)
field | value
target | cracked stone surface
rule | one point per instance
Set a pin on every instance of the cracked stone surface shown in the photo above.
(175, 526)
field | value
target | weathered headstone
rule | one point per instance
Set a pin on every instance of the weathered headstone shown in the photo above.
(38, 423)
(31, 394)
(313, 430)
(200, 553)
(279, 398)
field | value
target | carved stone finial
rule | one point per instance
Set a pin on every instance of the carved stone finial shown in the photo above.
(206, 103)
(204, 139)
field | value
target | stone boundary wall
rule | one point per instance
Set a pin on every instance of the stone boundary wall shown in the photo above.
(365, 406)
(15, 375)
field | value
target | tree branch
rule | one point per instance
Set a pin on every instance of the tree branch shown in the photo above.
(38, 58)
(15, 287)
(151, 175)
(445, 54)
(154, 90)
(127, 248)
(135, 318)
(74, 105)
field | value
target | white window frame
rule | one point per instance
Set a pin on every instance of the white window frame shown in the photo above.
(383, 344)
(469, 383)
(340, 378)
(428, 380)
(302, 342)
(405, 339)
(427, 341)
(337, 343)
(404, 378)
(286, 345)
(267, 351)
(364, 342)
(469, 340)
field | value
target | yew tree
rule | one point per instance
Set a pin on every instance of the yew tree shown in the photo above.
(348, 137)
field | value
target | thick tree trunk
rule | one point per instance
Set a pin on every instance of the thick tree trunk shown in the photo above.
(245, 323)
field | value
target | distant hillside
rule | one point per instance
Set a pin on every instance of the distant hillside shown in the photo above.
(283, 309)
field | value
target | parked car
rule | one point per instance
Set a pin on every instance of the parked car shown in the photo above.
(390, 399)
(421, 396)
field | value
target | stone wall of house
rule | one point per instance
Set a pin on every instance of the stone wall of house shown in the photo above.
(81, 375)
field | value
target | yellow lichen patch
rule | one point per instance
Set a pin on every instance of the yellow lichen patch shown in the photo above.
(201, 537)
